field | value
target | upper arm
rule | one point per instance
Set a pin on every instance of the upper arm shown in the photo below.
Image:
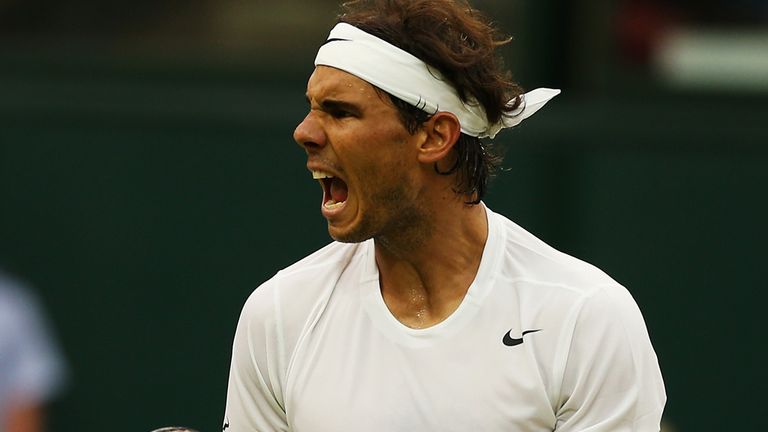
(612, 380)
(254, 394)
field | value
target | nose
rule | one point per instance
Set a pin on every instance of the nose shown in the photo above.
(309, 134)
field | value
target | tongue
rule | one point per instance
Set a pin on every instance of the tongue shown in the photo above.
(338, 190)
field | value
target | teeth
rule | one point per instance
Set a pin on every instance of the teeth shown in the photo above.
(331, 204)
(320, 175)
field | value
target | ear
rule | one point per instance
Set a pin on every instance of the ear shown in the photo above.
(441, 131)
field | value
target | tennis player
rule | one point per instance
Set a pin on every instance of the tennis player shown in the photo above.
(430, 312)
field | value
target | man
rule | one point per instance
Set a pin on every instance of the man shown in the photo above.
(430, 312)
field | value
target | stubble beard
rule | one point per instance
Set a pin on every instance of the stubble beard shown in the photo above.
(394, 219)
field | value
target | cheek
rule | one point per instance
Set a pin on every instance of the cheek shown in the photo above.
(382, 166)
(376, 152)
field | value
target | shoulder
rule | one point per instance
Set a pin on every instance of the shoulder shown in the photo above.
(333, 256)
(305, 279)
(602, 344)
(575, 293)
(278, 313)
(299, 292)
(528, 259)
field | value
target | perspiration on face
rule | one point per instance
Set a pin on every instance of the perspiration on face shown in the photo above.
(467, 85)
(353, 135)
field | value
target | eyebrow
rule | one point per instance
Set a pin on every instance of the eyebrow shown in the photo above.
(337, 105)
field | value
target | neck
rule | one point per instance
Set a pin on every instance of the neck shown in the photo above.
(426, 270)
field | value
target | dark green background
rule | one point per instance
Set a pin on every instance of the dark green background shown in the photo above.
(145, 200)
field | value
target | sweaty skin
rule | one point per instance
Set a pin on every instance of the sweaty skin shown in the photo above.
(428, 241)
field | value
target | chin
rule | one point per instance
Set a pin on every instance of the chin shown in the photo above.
(354, 234)
(347, 237)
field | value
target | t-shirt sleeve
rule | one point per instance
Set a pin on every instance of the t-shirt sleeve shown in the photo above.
(254, 394)
(612, 381)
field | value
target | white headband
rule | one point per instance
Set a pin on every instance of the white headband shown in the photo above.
(405, 76)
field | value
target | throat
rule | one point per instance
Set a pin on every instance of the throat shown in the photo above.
(417, 311)
(424, 292)
(415, 301)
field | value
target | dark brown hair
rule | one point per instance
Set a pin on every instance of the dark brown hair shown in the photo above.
(461, 43)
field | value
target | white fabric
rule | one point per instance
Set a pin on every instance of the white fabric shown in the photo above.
(316, 349)
(405, 76)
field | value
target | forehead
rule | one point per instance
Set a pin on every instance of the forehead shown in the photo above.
(328, 82)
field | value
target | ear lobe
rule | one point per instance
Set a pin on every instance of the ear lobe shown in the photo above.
(442, 131)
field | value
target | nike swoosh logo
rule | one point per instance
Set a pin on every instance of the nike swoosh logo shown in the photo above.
(335, 40)
(510, 341)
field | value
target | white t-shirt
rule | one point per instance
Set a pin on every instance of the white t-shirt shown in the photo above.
(317, 350)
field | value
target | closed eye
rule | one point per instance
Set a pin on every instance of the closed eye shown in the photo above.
(340, 109)
(339, 113)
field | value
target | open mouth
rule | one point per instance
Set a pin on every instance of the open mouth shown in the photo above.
(334, 189)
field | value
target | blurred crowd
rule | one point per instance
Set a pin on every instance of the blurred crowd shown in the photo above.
(31, 366)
